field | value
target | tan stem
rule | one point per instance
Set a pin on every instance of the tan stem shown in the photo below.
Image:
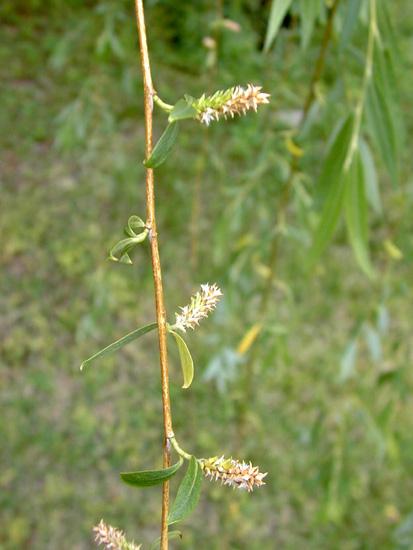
(156, 263)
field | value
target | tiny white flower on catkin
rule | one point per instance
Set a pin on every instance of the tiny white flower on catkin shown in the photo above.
(111, 538)
(202, 303)
(231, 472)
(228, 103)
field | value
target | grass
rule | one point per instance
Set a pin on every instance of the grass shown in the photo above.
(335, 434)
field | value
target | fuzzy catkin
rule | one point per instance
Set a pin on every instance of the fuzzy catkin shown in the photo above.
(112, 538)
(234, 101)
(231, 472)
(202, 303)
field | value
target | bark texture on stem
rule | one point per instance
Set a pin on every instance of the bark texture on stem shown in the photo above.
(156, 263)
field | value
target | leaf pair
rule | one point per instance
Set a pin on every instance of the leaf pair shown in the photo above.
(182, 110)
(187, 362)
(188, 492)
(120, 252)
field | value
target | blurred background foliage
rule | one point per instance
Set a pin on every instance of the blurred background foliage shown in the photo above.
(307, 372)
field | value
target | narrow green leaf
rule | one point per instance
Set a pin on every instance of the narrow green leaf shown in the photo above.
(187, 363)
(370, 177)
(381, 128)
(388, 34)
(188, 493)
(350, 18)
(148, 478)
(329, 219)
(331, 184)
(182, 110)
(355, 208)
(163, 147)
(171, 535)
(278, 10)
(309, 11)
(336, 155)
(120, 343)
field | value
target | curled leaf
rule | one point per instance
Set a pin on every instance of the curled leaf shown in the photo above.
(135, 223)
(120, 252)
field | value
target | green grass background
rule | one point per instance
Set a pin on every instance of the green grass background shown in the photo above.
(333, 430)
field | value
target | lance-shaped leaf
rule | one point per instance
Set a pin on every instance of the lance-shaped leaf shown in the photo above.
(332, 183)
(309, 11)
(119, 343)
(381, 126)
(148, 478)
(355, 208)
(188, 493)
(370, 177)
(336, 156)
(278, 11)
(187, 362)
(163, 147)
(329, 219)
(182, 110)
(350, 18)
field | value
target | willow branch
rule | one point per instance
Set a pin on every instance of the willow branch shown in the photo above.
(285, 197)
(281, 215)
(156, 263)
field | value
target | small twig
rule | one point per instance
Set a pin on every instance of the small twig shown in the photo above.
(319, 66)
(164, 106)
(156, 263)
(179, 449)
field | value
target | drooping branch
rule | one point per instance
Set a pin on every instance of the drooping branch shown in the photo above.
(281, 215)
